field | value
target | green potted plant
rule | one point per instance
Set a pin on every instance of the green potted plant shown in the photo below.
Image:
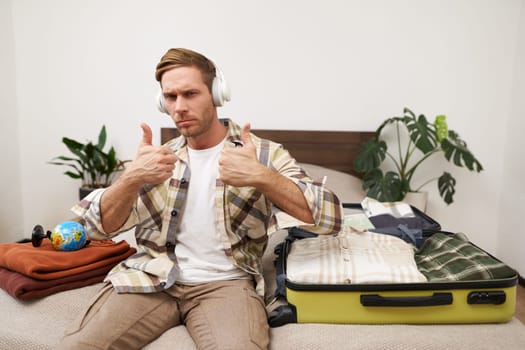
(90, 163)
(424, 140)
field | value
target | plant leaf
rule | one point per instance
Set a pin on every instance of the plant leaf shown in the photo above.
(388, 121)
(440, 123)
(111, 160)
(407, 110)
(67, 159)
(456, 149)
(74, 147)
(73, 175)
(371, 155)
(371, 178)
(446, 186)
(384, 188)
(102, 138)
(422, 133)
(75, 163)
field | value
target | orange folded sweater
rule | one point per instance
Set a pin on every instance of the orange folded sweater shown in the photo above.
(45, 263)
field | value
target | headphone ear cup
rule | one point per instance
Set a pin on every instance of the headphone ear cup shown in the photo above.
(161, 104)
(216, 94)
(220, 90)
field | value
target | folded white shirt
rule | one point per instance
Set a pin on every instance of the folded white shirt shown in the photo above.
(352, 258)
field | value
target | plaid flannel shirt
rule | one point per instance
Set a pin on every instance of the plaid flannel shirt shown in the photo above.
(243, 215)
(445, 258)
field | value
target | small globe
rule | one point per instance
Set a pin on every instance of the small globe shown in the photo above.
(68, 236)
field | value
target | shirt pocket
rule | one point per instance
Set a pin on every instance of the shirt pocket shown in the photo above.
(248, 212)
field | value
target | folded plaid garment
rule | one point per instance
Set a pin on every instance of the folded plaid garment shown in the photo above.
(352, 258)
(453, 258)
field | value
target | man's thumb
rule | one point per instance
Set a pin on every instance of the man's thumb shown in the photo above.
(147, 135)
(245, 134)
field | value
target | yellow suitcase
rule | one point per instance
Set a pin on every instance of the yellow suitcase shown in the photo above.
(469, 301)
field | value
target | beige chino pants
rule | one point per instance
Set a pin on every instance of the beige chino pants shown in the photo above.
(218, 315)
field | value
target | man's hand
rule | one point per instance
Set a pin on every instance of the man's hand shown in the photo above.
(153, 164)
(238, 166)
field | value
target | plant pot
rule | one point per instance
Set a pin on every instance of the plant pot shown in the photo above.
(417, 199)
(84, 191)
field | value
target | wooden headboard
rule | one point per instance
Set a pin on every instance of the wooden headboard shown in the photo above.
(331, 149)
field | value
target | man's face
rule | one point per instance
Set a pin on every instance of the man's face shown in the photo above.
(188, 100)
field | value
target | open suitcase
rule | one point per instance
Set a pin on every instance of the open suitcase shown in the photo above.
(476, 300)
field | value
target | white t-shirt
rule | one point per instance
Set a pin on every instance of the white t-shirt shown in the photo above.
(199, 251)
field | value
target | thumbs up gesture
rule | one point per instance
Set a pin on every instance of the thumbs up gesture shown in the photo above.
(238, 166)
(153, 164)
(147, 135)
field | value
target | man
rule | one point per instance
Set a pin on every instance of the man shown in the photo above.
(202, 207)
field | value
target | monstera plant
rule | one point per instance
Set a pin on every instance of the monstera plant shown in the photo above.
(424, 140)
(90, 163)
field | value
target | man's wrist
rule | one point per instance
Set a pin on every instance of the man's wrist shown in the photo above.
(265, 179)
(129, 182)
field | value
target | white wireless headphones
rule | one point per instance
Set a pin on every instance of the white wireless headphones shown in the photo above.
(220, 91)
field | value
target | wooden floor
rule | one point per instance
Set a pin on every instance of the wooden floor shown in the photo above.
(520, 303)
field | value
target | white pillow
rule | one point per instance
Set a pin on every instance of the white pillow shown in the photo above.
(347, 187)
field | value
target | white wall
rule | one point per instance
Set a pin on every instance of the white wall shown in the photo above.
(11, 212)
(327, 65)
(512, 209)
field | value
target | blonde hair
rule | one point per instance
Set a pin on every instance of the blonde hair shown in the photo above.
(185, 57)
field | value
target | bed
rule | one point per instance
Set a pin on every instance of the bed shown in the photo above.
(330, 149)
(39, 324)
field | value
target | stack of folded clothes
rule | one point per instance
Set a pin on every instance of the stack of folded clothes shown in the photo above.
(27, 272)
